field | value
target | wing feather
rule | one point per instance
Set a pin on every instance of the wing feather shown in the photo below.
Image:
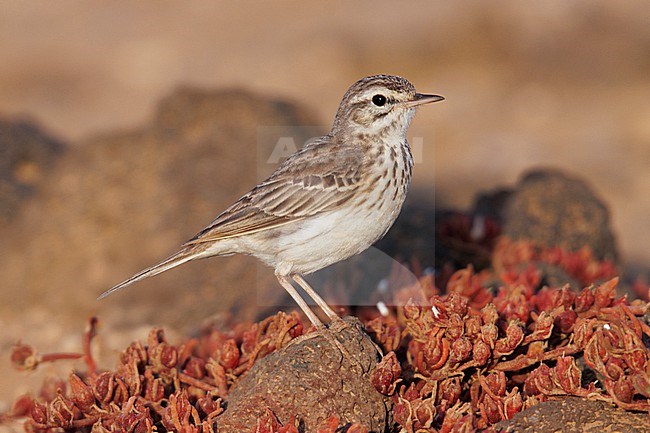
(314, 180)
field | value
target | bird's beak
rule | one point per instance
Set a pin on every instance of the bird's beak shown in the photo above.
(420, 99)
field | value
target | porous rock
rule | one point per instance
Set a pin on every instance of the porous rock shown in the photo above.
(575, 415)
(311, 379)
(552, 209)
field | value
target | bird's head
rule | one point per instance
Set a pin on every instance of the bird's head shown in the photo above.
(379, 105)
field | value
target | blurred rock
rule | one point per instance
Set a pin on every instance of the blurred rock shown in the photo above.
(490, 204)
(26, 155)
(122, 201)
(412, 236)
(552, 208)
(311, 379)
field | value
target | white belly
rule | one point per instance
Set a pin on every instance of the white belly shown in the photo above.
(319, 241)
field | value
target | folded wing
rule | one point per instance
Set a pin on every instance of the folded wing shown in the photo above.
(317, 179)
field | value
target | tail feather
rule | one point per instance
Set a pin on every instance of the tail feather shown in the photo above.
(170, 262)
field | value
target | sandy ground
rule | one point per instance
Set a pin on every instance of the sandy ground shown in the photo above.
(555, 83)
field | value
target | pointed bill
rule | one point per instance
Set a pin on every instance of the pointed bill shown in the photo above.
(421, 98)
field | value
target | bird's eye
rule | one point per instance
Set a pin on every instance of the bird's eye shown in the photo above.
(379, 100)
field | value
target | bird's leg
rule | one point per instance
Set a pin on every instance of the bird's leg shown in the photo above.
(284, 281)
(330, 313)
(312, 293)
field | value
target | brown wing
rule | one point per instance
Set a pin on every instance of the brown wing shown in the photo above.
(316, 179)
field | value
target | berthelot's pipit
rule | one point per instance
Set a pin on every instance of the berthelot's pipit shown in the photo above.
(329, 201)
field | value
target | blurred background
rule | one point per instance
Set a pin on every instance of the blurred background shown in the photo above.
(127, 126)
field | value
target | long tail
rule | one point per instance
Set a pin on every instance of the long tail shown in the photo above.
(184, 255)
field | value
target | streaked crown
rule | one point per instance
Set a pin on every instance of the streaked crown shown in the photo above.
(378, 104)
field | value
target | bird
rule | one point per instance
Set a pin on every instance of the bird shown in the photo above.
(328, 201)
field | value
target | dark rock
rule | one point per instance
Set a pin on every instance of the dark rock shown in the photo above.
(491, 203)
(26, 154)
(311, 380)
(575, 415)
(412, 236)
(554, 209)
